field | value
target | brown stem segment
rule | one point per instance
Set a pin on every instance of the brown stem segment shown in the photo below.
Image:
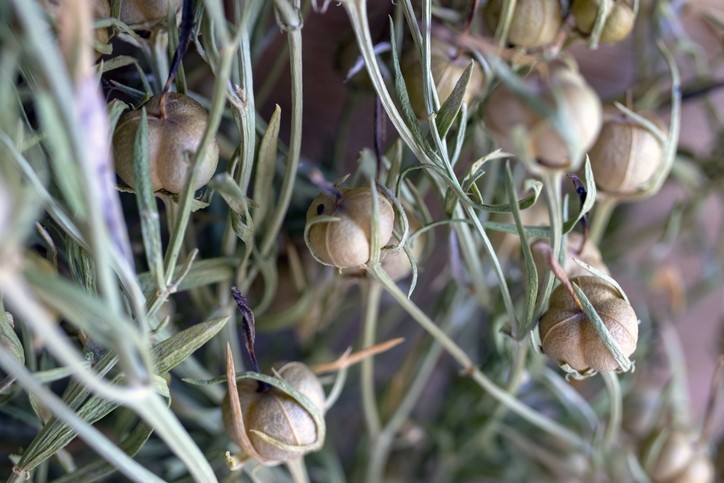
(248, 327)
(187, 24)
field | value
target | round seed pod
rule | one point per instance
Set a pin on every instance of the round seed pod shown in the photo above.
(568, 336)
(626, 155)
(146, 14)
(174, 134)
(564, 91)
(278, 427)
(345, 243)
(619, 22)
(447, 64)
(679, 458)
(535, 23)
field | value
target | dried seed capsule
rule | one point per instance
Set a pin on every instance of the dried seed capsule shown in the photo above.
(619, 22)
(535, 23)
(626, 155)
(277, 426)
(568, 336)
(565, 92)
(146, 14)
(174, 134)
(677, 456)
(447, 63)
(345, 243)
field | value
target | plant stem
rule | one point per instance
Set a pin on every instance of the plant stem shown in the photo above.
(601, 218)
(533, 417)
(372, 293)
(552, 187)
(615, 410)
(298, 470)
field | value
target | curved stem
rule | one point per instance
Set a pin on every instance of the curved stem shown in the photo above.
(530, 415)
(552, 188)
(616, 408)
(514, 383)
(601, 217)
(372, 294)
(383, 444)
(298, 470)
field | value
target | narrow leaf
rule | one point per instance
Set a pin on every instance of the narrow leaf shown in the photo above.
(146, 201)
(451, 107)
(265, 167)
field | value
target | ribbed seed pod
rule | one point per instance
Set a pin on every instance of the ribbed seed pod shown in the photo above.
(447, 64)
(564, 91)
(278, 427)
(346, 243)
(676, 456)
(619, 23)
(568, 336)
(535, 23)
(173, 137)
(626, 155)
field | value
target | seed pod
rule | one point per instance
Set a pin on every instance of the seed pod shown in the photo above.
(447, 63)
(534, 23)
(677, 456)
(278, 428)
(345, 243)
(626, 155)
(174, 134)
(568, 336)
(566, 93)
(146, 14)
(619, 22)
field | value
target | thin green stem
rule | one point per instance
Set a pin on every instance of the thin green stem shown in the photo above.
(382, 446)
(552, 188)
(601, 217)
(514, 382)
(298, 470)
(615, 409)
(372, 293)
(184, 208)
(533, 417)
(291, 17)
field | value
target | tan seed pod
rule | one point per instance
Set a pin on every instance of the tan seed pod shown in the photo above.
(626, 155)
(345, 243)
(535, 23)
(564, 91)
(173, 137)
(568, 336)
(619, 23)
(677, 456)
(447, 63)
(278, 427)
(146, 14)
